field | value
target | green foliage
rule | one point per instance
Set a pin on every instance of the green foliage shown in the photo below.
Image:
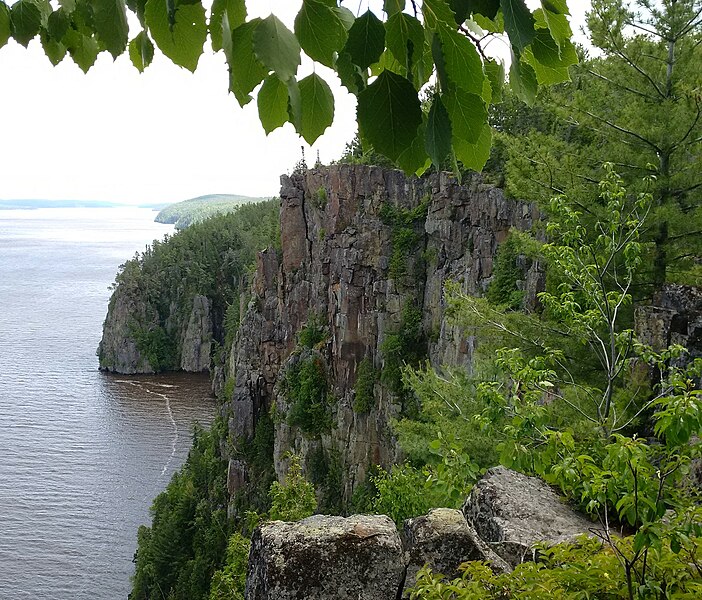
(178, 554)
(398, 53)
(185, 213)
(406, 347)
(325, 471)
(364, 388)
(307, 390)
(313, 333)
(320, 198)
(229, 582)
(506, 272)
(294, 499)
(588, 569)
(407, 234)
(209, 259)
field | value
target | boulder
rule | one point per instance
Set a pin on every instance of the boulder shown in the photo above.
(326, 558)
(443, 540)
(513, 512)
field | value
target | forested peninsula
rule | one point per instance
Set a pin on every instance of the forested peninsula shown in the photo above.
(459, 385)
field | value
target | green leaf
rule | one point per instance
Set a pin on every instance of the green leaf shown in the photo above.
(294, 102)
(463, 65)
(522, 80)
(366, 40)
(392, 7)
(519, 23)
(550, 63)
(55, 51)
(273, 103)
(558, 25)
(58, 24)
(5, 24)
(276, 47)
(487, 8)
(389, 114)
(141, 51)
(474, 155)
(414, 159)
(246, 72)
(467, 113)
(25, 20)
(345, 16)
(351, 76)
(82, 48)
(110, 19)
(461, 9)
(405, 38)
(236, 14)
(437, 54)
(138, 7)
(317, 107)
(320, 31)
(438, 135)
(495, 72)
(437, 13)
(559, 7)
(180, 36)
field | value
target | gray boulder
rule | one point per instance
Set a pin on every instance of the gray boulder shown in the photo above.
(512, 512)
(443, 540)
(323, 558)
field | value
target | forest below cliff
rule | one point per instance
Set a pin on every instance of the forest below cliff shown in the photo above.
(401, 336)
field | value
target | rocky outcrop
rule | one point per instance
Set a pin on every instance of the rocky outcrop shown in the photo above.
(673, 317)
(361, 245)
(443, 540)
(359, 557)
(512, 512)
(320, 558)
(197, 337)
(118, 351)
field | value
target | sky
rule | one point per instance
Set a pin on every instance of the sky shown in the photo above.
(162, 136)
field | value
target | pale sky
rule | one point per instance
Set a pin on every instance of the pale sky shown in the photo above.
(161, 136)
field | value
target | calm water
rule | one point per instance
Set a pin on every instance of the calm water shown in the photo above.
(82, 454)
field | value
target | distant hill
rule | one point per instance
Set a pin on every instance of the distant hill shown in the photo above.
(182, 214)
(34, 204)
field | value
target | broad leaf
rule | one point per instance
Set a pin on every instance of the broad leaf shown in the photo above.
(294, 103)
(414, 160)
(136, 6)
(246, 72)
(436, 13)
(58, 24)
(392, 7)
(558, 25)
(110, 19)
(405, 38)
(389, 114)
(487, 8)
(25, 20)
(522, 80)
(236, 14)
(519, 23)
(345, 16)
(55, 51)
(320, 31)
(467, 113)
(350, 74)
(366, 40)
(272, 103)
(496, 74)
(5, 24)
(559, 7)
(463, 65)
(82, 48)
(276, 47)
(317, 107)
(438, 134)
(549, 53)
(180, 36)
(141, 51)
(474, 155)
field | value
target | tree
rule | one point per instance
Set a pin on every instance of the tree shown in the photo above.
(637, 104)
(384, 62)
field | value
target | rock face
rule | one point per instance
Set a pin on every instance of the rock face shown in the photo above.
(197, 337)
(347, 263)
(512, 512)
(320, 558)
(674, 317)
(443, 540)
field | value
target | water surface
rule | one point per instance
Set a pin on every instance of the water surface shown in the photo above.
(82, 453)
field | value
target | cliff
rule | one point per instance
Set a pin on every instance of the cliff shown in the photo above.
(365, 256)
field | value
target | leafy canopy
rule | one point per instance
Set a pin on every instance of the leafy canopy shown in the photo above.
(384, 60)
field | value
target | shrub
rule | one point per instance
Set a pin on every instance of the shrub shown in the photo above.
(294, 499)
(313, 332)
(307, 390)
(229, 582)
(364, 396)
